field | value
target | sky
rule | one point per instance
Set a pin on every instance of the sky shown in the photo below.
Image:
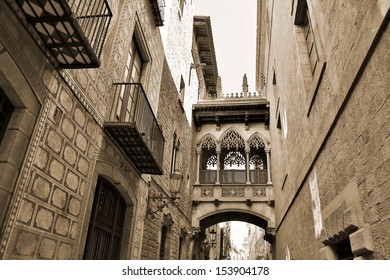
(233, 23)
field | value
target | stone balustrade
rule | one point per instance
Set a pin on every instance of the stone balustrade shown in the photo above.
(230, 193)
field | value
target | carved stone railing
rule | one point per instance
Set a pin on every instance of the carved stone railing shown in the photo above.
(242, 95)
(254, 193)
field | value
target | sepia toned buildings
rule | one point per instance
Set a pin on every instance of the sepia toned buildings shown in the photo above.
(94, 130)
(325, 71)
(117, 142)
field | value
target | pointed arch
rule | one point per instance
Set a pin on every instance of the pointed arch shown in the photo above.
(208, 142)
(232, 139)
(257, 140)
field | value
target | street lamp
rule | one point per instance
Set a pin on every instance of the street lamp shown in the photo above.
(175, 181)
(213, 235)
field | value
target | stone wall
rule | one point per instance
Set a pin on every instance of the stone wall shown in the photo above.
(173, 120)
(333, 127)
(62, 149)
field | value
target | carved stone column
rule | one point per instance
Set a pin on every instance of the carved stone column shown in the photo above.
(198, 151)
(267, 151)
(248, 175)
(218, 151)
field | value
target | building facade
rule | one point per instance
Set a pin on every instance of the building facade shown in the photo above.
(90, 149)
(325, 70)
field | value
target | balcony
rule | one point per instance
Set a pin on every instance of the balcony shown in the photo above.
(135, 130)
(257, 176)
(158, 7)
(233, 193)
(73, 31)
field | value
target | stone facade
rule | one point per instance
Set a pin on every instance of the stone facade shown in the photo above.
(55, 150)
(173, 118)
(329, 126)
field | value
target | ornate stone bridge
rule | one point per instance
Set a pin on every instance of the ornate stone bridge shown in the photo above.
(217, 203)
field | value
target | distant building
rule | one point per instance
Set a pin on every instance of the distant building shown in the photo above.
(255, 246)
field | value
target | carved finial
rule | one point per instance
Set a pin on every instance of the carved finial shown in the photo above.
(219, 87)
(245, 85)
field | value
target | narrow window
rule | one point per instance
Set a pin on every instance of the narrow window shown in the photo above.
(181, 7)
(181, 244)
(163, 241)
(175, 150)
(6, 110)
(343, 249)
(302, 18)
(131, 74)
(182, 89)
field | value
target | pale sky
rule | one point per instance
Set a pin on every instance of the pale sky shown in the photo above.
(238, 232)
(234, 31)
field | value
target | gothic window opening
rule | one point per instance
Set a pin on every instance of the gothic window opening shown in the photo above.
(212, 163)
(209, 162)
(106, 223)
(234, 160)
(6, 109)
(257, 160)
(232, 140)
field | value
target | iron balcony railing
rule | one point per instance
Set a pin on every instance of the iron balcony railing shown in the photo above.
(158, 7)
(257, 176)
(135, 129)
(73, 30)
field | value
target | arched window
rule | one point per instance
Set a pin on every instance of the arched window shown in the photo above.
(257, 160)
(209, 162)
(234, 160)
(233, 156)
(212, 163)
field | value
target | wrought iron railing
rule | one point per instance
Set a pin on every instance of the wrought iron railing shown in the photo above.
(233, 176)
(94, 18)
(135, 108)
(73, 30)
(257, 176)
(158, 7)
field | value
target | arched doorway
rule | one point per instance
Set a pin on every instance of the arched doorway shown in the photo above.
(220, 242)
(106, 223)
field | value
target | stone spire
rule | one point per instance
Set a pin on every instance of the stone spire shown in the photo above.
(245, 85)
(219, 87)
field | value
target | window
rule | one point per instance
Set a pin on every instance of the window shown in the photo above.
(343, 250)
(182, 89)
(310, 43)
(181, 7)
(284, 124)
(6, 110)
(302, 18)
(312, 61)
(175, 151)
(163, 242)
(181, 245)
(132, 74)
